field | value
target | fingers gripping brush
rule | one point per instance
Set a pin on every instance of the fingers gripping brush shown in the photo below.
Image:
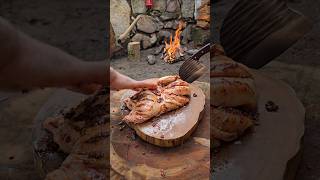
(192, 69)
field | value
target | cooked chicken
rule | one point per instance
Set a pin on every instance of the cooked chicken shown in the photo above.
(88, 159)
(83, 133)
(229, 123)
(63, 134)
(233, 97)
(172, 93)
(233, 92)
(223, 66)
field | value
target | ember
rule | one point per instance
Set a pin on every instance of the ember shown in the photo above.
(173, 51)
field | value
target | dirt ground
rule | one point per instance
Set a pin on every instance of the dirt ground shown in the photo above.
(77, 27)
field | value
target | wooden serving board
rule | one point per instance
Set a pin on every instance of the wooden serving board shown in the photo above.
(133, 158)
(173, 128)
(272, 151)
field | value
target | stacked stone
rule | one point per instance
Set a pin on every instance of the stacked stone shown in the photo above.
(160, 22)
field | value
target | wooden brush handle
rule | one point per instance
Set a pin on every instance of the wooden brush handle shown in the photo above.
(204, 50)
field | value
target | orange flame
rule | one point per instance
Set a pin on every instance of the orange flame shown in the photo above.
(174, 46)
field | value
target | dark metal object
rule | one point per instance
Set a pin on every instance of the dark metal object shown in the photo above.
(192, 69)
(257, 31)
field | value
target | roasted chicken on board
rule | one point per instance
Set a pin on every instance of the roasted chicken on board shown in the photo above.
(83, 134)
(171, 93)
(233, 97)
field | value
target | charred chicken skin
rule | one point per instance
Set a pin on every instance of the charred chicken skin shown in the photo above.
(171, 93)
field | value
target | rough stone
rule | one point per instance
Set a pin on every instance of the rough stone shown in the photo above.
(160, 5)
(187, 8)
(158, 50)
(120, 11)
(145, 40)
(168, 16)
(186, 34)
(192, 51)
(163, 35)
(155, 13)
(199, 36)
(138, 6)
(153, 38)
(173, 6)
(171, 24)
(147, 24)
(113, 48)
(159, 22)
(151, 59)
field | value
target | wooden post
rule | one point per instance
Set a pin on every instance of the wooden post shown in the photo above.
(134, 51)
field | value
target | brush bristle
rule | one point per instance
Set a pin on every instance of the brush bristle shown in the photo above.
(191, 69)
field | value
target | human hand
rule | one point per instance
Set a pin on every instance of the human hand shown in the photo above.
(147, 84)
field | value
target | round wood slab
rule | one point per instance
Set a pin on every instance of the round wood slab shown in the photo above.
(175, 127)
(133, 158)
(272, 150)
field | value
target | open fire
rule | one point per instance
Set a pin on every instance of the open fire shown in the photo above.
(173, 51)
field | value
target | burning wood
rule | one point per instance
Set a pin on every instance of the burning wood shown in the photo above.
(173, 51)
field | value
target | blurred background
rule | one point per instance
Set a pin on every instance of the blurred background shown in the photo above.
(299, 66)
(77, 27)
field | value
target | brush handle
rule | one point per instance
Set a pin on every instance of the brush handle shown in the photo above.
(204, 50)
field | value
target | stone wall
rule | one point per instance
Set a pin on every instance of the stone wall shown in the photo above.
(162, 20)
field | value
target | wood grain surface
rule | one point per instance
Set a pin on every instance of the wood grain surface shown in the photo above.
(133, 158)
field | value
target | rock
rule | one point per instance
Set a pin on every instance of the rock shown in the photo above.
(147, 24)
(163, 35)
(151, 59)
(120, 12)
(171, 24)
(113, 48)
(138, 37)
(203, 24)
(153, 38)
(138, 6)
(160, 5)
(192, 51)
(168, 16)
(159, 22)
(173, 6)
(186, 34)
(145, 40)
(187, 8)
(199, 36)
(155, 13)
(158, 50)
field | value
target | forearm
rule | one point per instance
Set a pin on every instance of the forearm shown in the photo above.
(28, 63)
(120, 81)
